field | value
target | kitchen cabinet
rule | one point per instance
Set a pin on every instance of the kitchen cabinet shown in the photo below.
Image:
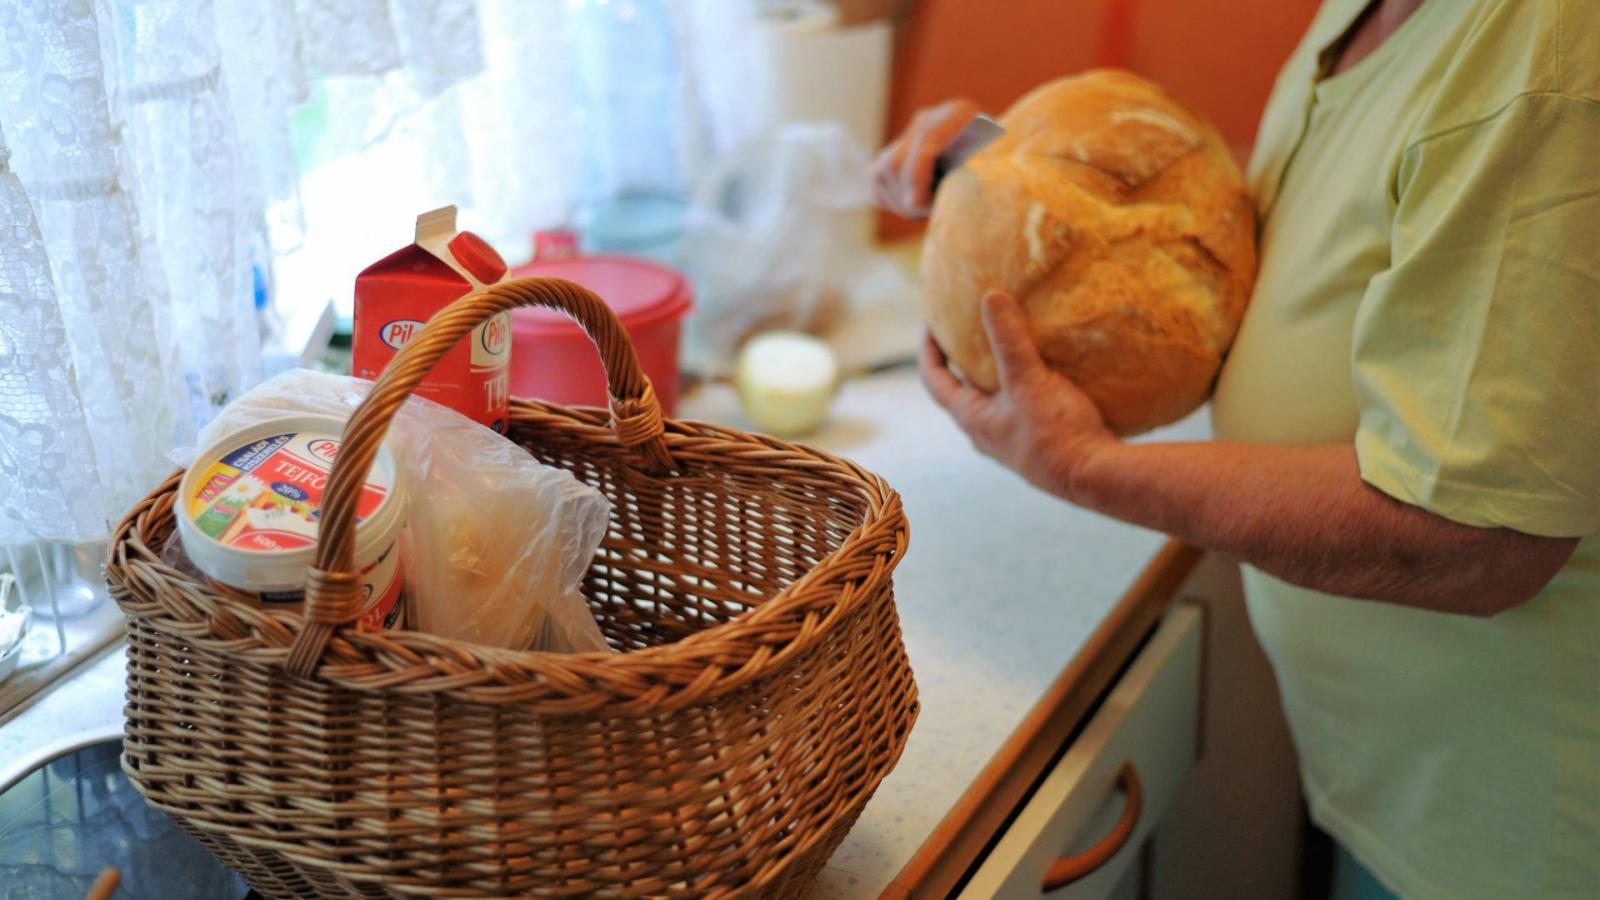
(1082, 830)
(1237, 826)
(1222, 814)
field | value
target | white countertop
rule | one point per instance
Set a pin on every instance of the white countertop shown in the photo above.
(1001, 587)
(999, 590)
(82, 708)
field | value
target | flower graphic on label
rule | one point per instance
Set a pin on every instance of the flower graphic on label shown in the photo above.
(243, 490)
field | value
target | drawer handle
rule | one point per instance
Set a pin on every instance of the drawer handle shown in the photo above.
(1068, 869)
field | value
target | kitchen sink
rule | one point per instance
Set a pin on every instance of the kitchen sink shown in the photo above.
(73, 816)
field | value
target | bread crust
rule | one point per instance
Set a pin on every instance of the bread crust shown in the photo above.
(1119, 221)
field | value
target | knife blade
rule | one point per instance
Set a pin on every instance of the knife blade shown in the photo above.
(978, 134)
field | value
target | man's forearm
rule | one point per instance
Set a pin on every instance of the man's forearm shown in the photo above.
(1305, 515)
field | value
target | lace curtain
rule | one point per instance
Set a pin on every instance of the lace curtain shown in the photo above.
(152, 175)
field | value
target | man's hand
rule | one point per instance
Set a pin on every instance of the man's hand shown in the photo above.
(1039, 424)
(903, 173)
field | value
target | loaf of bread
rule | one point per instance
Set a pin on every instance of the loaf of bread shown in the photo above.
(1119, 221)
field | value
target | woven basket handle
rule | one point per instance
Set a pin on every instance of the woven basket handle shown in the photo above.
(333, 586)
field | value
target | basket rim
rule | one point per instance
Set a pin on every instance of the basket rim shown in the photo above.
(649, 679)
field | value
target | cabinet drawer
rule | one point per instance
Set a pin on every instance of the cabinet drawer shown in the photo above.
(1149, 723)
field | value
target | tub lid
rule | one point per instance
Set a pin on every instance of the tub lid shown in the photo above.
(261, 490)
(641, 292)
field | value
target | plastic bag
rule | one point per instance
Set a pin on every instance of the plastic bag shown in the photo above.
(772, 236)
(496, 543)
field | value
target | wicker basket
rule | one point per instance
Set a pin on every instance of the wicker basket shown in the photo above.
(762, 693)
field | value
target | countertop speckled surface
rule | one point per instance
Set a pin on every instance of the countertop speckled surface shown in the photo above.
(84, 707)
(1000, 588)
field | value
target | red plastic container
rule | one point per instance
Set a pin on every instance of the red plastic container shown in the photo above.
(551, 358)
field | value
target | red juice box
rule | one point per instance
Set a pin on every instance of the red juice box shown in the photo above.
(396, 296)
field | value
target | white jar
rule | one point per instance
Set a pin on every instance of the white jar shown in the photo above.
(249, 506)
(787, 381)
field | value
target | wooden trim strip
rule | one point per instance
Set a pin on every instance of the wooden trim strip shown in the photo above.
(957, 844)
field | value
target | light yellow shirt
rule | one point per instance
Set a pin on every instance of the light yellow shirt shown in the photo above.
(1430, 290)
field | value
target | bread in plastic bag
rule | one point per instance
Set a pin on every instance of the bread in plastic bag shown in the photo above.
(496, 543)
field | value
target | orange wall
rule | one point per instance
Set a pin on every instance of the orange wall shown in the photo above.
(1219, 56)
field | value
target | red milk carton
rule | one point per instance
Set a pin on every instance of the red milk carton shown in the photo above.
(396, 296)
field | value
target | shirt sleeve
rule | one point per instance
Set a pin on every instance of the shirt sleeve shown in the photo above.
(1476, 354)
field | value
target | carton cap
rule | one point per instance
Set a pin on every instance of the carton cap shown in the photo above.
(477, 257)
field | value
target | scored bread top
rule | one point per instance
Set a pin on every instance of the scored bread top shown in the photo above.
(1118, 219)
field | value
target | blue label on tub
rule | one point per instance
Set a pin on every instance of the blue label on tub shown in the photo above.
(249, 456)
(286, 489)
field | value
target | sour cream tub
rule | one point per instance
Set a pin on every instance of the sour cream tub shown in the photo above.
(249, 507)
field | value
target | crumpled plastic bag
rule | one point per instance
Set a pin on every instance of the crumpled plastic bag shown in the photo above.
(772, 236)
(495, 543)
